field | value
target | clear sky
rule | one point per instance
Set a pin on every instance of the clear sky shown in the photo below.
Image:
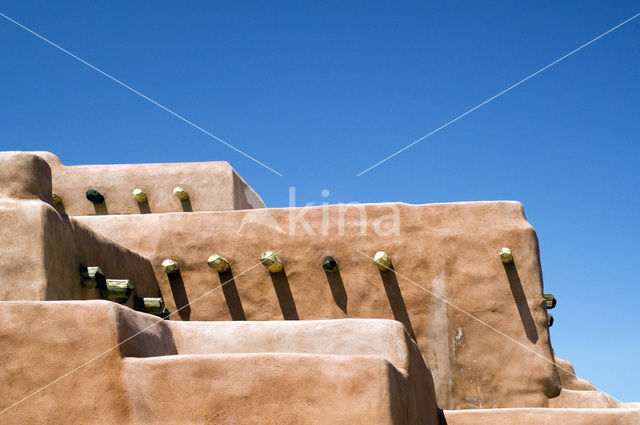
(320, 91)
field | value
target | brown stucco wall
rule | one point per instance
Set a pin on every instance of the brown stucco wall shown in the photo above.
(43, 249)
(449, 249)
(154, 378)
(212, 186)
(480, 324)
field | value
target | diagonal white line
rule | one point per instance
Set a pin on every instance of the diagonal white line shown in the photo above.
(114, 79)
(444, 300)
(499, 94)
(122, 342)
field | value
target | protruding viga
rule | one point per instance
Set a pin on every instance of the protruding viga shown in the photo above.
(180, 193)
(57, 199)
(549, 320)
(550, 300)
(92, 277)
(139, 195)
(329, 263)
(118, 290)
(218, 263)
(94, 196)
(154, 306)
(505, 255)
(271, 261)
(170, 266)
(382, 260)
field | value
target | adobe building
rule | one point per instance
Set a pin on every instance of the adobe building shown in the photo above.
(168, 293)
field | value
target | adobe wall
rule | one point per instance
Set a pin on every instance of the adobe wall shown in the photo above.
(449, 249)
(43, 249)
(337, 371)
(40, 342)
(212, 186)
(169, 374)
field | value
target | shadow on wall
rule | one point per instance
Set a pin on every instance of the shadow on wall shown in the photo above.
(69, 244)
(285, 298)
(396, 301)
(144, 207)
(134, 342)
(441, 418)
(337, 289)
(230, 291)
(180, 295)
(186, 205)
(101, 208)
(521, 301)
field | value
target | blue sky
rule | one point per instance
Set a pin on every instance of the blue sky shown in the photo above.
(320, 91)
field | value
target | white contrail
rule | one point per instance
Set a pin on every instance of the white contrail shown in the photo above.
(175, 114)
(499, 94)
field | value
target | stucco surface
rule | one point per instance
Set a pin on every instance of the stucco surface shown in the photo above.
(371, 372)
(267, 389)
(449, 325)
(24, 175)
(448, 249)
(569, 379)
(212, 186)
(40, 342)
(43, 250)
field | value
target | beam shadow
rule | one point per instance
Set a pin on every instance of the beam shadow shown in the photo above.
(180, 295)
(186, 205)
(285, 298)
(337, 289)
(396, 301)
(230, 291)
(101, 208)
(144, 207)
(521, 301)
